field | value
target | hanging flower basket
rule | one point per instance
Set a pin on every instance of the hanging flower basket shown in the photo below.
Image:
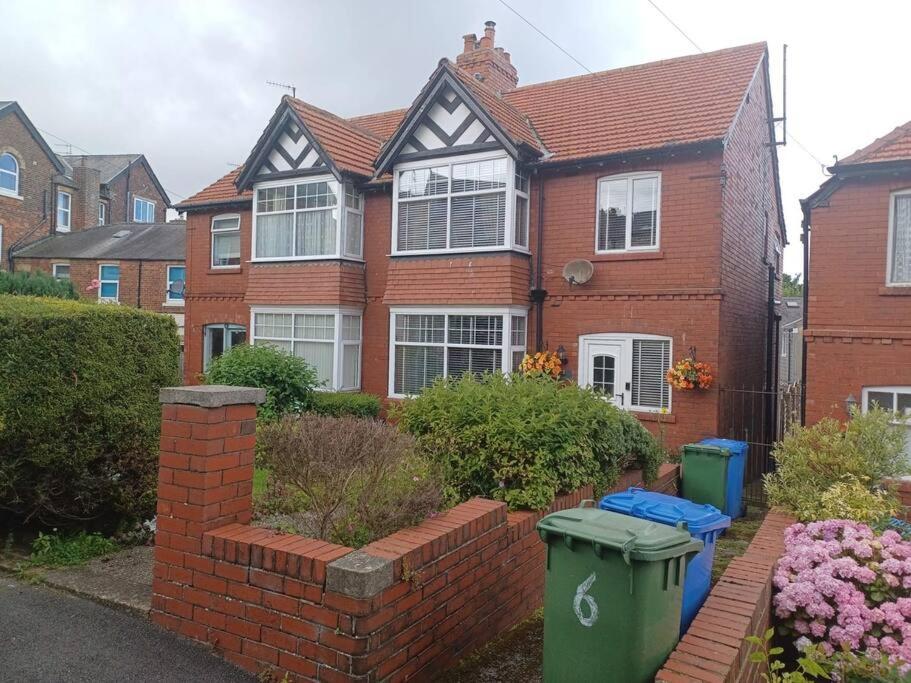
(688, 374)
(542, 363)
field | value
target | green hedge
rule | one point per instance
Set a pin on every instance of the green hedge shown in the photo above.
(341, 403)
(79, 412)
(36, 284)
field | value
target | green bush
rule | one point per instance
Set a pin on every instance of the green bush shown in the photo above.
(79, 412)
(810, 461)
(341, 403)
(58, 550)
(289, 381)
(36, 284)
(524, 439)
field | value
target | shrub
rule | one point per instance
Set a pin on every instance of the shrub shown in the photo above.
(811, 460)
(58, 550)
(36, 284)
(853, 499)
(79, 412)
(524, 439)
(362, 478)
(288, 380)
(843, 587)
(340, 403)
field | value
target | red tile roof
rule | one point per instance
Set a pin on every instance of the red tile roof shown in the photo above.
(221, 191)
(895, 146)
(689, 99)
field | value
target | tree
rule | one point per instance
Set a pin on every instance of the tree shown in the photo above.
(791, 285)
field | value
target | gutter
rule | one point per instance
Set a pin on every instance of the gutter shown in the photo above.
(805, 238)
(538, 293)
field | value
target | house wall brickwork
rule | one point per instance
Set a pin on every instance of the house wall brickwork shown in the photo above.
(134, 182)
(859, 330)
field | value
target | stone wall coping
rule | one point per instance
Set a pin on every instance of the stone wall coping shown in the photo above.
(212, 395)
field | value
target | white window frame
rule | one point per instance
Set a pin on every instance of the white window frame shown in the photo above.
(206, 332)
(338, 341)
(506, 348)
(68, 211)
(17, 175)
(357, 211)
(142, 200)
(625, 373)
(340, 222)
(102, 213)
(101, 282)
(169, 300)
(508, 228)
(891, 238)
(629, 178)
(890, 389)
(214, 232)
(55, 266)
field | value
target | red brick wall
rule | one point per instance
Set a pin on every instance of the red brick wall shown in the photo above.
(306, 284)
(267, 600)
(714, 649)
(134, 182)
(859, 329)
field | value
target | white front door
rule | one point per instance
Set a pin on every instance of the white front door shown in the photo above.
(604, 370)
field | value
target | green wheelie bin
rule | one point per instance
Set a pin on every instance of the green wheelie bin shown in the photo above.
(612, 595)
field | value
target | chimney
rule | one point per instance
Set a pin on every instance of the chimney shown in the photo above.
(85, 200)
(486, 62)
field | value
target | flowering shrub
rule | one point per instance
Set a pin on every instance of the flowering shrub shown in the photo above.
(688, 373)
(842, 586)
(543, 363)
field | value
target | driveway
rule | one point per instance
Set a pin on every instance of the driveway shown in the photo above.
(49, 636)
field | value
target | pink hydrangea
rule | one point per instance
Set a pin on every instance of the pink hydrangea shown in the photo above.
(841, 584)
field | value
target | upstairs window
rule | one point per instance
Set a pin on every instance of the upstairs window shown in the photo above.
(64, 204)
(102, 213)
(628, 212)
(226, 241)
(143, 210)
(459, 205)
(899, 271)
(9, 174)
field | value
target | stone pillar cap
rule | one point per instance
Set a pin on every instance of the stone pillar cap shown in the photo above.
(212, 395)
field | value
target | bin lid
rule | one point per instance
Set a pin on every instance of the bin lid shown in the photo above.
(736, 447)
(665, 509)
(634, 538)
(704, 449)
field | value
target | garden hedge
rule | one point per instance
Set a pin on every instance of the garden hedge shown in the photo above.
(36, 284)
(341, 403)
(79, 411)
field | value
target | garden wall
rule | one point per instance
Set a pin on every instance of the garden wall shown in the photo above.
(407, 606)
(714, 649)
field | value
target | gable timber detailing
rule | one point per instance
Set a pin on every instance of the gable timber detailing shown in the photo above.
(292, 151)
(449, 122)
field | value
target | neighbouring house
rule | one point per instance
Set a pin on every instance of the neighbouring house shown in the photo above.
(390, 249)
(857, 242)
(790, 342)
(42, 193)
(139, 265)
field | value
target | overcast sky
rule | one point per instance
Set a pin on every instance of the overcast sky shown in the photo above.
(184, 82)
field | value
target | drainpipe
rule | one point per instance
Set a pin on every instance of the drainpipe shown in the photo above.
(139, 287)
(805, 239)
(538, 293)
(126, 202)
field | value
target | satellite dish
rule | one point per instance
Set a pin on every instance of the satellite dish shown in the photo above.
(578, 272)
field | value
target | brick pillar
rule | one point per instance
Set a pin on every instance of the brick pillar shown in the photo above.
(205, 474)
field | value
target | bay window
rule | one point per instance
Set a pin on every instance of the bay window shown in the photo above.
(303, 220)
(899, 269)
(629, 208)
(470, 203)
(328, 339)
(432, 343)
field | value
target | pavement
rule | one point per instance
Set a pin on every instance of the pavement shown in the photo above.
(48, 635)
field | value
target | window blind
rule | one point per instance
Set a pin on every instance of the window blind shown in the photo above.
(651, 361)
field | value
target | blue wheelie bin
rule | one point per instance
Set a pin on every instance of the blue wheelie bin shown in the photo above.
(704, 522)
(736, 467)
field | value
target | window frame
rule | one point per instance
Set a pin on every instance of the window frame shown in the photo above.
(102, 213)
(101, 282)
(226, 329)
(215, 232)
(169, 300)
(627, 340)
(17, 175)
(68, 210)
(509, 226)
(506, 347)
(55, 266)
(629, 178)
(340, 209)
(338, 341)
(151, 202)
(890, 241)
(893, 389)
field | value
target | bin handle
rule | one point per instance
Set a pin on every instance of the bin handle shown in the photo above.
(591, 503)
(626, 548)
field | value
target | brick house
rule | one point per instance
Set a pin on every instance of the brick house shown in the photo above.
(389, 249)
(42, 193)
(857, 251)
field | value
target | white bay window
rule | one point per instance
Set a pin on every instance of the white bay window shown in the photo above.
(305, 220)
(328, 339)
(432, 343)
(467, 203)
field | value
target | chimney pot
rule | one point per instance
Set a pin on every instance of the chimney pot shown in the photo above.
(471, 43)
(489, 32)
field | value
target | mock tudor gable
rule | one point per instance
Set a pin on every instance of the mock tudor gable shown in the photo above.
(449, 122)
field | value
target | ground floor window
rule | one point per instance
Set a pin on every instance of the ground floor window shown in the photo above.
(329, 339)
(628, 369)
(220, 337)
(61, 271)
(431, 343)
(896, 400)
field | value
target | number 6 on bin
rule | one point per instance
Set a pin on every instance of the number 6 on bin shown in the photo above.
(583, 596)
